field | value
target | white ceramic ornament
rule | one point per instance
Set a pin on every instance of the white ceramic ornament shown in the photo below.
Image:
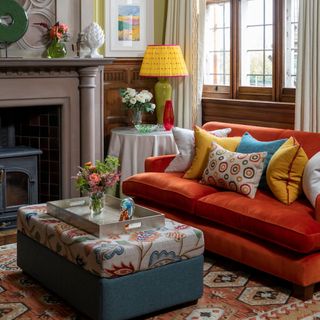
(94, 39)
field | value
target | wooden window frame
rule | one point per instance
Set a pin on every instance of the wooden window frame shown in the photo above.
(275, 93)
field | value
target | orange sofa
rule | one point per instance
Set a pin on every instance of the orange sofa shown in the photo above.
(283, 240)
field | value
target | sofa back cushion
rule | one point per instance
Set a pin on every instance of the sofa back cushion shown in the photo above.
(203, 140)
(311, 181)
(309, 141)
(184, 139)
(249, 144)
(285, 170)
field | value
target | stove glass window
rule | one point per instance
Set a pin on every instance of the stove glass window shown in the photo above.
(17, 189)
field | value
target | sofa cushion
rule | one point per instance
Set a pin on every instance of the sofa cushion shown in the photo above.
(239, 172)
(311, 179)
(265, 217)
(285, 170)
(249, 144)
(184, 139)
(203, 140)
(166, 189)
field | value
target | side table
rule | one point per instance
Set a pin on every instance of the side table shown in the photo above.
(132, 148)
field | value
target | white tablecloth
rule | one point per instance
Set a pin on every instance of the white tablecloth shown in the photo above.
(133, 148)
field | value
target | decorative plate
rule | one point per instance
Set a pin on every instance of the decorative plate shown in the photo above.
(13, 21)
(146, 128)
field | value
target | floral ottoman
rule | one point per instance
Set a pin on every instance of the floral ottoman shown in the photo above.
(117, 277)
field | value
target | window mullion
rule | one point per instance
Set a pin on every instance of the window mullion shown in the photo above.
(235, 49)
(277, 50)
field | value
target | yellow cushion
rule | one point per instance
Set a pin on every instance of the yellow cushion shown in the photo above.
(203, 141)
(285, 170)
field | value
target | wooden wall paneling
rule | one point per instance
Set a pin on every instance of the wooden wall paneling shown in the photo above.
(122, 73)
(259, 113)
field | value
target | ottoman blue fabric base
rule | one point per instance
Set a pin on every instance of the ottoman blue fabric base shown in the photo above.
(118, 298)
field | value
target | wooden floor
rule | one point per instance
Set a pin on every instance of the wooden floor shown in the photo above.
(8, 236)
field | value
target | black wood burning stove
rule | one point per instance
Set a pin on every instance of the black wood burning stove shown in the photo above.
(18, 181)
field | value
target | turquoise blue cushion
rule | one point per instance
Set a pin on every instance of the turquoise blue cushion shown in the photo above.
(249, 144)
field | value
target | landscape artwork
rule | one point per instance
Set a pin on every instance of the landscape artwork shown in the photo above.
(129, 23)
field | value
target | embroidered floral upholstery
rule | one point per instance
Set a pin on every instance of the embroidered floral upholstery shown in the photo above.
(115, 255)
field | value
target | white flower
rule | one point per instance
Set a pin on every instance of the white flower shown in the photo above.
(147, 94)
(140, 98)
(133, 100)
(124, 100)
(152, 106)
(131, 92)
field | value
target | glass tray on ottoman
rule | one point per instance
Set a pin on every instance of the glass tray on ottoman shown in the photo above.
(77, 213)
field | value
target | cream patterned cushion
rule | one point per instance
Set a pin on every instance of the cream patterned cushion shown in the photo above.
(239, 172)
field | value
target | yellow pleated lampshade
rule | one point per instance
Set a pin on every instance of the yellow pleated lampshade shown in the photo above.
(163, 61)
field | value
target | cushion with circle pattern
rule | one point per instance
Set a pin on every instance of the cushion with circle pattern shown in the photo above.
(239, 172)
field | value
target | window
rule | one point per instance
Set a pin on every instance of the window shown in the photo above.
(251, 49)
(256, 43)
(218, 44)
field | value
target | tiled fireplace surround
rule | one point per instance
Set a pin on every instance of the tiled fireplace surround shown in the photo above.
(69, 91)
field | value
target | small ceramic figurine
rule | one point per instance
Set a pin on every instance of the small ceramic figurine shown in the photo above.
(94, 39)
(127, 209)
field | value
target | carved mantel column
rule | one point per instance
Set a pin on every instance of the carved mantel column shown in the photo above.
(90, 130)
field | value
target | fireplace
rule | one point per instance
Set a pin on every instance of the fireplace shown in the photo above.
(40, 128)
(73, 90)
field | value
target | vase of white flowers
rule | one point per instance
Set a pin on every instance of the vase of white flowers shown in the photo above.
(137, 102)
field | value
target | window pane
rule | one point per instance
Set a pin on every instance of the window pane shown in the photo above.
(268, 62)
(269, 12)
(256, 42)
(254, 12)
(255, 34)
(217, 44)
(291, 42)
(256, 62)
(268, 37)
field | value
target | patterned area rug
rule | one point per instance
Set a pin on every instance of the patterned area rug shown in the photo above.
(231, 291)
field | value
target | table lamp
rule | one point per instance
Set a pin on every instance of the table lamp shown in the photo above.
(163, 61)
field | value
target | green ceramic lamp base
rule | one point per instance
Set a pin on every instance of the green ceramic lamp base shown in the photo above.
(163, 92)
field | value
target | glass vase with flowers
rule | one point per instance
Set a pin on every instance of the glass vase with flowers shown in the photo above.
(96, 179)
(57, 35)
(137, 102)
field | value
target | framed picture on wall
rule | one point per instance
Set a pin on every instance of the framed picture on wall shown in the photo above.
(129, 27)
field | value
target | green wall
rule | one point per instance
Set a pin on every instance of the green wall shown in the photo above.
(160, 9)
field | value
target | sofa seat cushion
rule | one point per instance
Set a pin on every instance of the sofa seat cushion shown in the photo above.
(290, 226)
(168, 189)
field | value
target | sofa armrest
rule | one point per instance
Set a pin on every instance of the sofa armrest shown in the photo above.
(158, 164)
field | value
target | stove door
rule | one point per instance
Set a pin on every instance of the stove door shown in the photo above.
(17, 189)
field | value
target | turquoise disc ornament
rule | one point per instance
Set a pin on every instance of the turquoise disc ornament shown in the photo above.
(13, 21)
